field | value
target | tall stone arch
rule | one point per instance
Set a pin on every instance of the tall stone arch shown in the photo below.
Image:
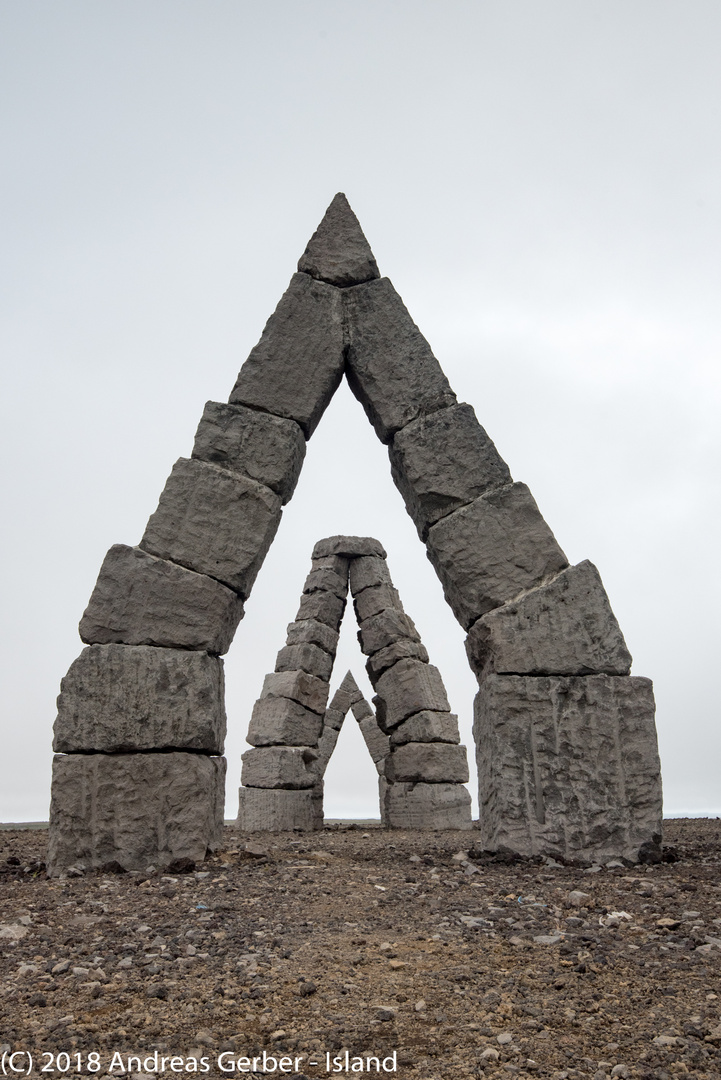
(565, 737)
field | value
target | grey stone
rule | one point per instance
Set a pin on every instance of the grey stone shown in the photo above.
(432, 763)
(268, 449)
(361, 709)
(407, 688)
(142, 600)
(377, 743)
(278, 767)
(338, 252)
(314, 633)
(334, 718)
(324, 580)
(336, 563)
(268, 810)
(426, 806)
(279, 721)
(348, 547)
(443, 461)
(134, 809)
(390, 366)
(365, 573)
(306, 657)
(385, 628)
(563, 628)
(490, 551)
(568, 766)
(297, 365)
(214, 522)
(135, 697)
(306, 689)
(372, 601)
(322, 607)
(427, 727)
(386, 658)
(326, 746)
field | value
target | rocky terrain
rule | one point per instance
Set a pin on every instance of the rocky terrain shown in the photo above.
(367, 941)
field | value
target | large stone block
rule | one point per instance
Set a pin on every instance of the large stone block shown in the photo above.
(427, 727)
(306, 689)
(326, 746)
(365, 573)
(297, 365)
(268, 449)
(407, 688)
(142, 600)
(134, 697)
(568, 766)
(338, 252)
(324, 580)
(563, 628)
(349, 547)
(488, 552)
(377, 743)
(278, 767)
(404, 648)
(135, 809)
(443, 461)
(267, 810)
(305, 657)
(391, 369)
(214, 522)
(372, 601)
(432, 763)
(383, 629)
(425, 806)
(337, 563)
(278, 721)
(312, 632)
(323, 607)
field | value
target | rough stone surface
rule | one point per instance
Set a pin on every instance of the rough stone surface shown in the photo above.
(314, 633)
(365, 573)
(279, 721)
(432, 763)
(326, 746)
(306, 657)
(426, 806)
(361, 710)
(427, 727)
(267, 810)
(297, 365)
(383, 629)
(278, 767)
(386, 658)
(338, 252)
(134, 697)
(334, 718)
(349, 547)
(568, 766)
(324, 580)
(306, 689)
(336, 563)
(390, 366)
(372, 601)
(134, 809)
(268, 449)
(377, 743)
(214, 522)
(323, 607)
(443, 461)
(142, 600)
(488, 552)
(409, 687)
(563, 628)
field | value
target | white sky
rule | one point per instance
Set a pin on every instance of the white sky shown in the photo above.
(540, 180)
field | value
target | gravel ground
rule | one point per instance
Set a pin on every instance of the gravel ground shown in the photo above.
(359, 940)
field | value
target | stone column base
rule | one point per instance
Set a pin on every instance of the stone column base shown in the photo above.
(425, 806)
(276, 809)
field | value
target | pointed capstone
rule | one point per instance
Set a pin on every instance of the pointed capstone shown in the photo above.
(338, 252)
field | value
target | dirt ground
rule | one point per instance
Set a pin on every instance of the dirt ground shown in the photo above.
(360, 940)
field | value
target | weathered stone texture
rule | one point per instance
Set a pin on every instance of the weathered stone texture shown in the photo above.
(278, 767)
(432, 763)
(326, 746)
(268, 449)
(338, 252)
(383, 629)
(563, 628)
(568, 766)
(312, 632)
(443, 461)
(372, 601)
(214, 522)
(349, 547)
(324, 580)
(336, 563)
(386, 658)
(306, 689)
(427, 727)
(279, 721)
(142, 600)
(323, 607)
(297, 365)
(391, 369)
(361, 709)
(426, 806)
(365, 573)
(306, 657)
(135, 697)
(377, 743)
(488, 552)
(134, 809)
(406, 688)
(267, 810)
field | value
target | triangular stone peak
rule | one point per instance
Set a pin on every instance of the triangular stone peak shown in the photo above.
(412, 736)
(565, 736)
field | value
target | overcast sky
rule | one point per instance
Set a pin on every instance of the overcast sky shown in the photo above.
(542, 183)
